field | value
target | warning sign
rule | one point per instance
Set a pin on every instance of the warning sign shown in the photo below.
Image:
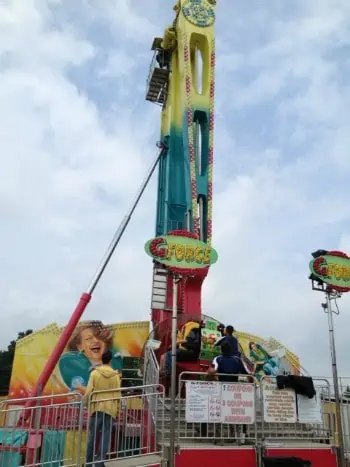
(279, 404)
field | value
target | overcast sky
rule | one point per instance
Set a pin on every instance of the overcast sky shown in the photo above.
(77, 137)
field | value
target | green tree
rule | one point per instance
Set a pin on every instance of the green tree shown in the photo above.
(6, 361)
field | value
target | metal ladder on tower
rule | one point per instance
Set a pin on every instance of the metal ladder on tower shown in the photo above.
(159, 287)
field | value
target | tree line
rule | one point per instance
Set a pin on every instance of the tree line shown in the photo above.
(6, 362)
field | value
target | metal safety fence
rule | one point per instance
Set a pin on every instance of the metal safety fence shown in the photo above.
(151, 367)
(151, 376)
(328, 402)
(131, 431)
(284, 418)
(40, 433)
(217, 411)
(66, 430)
(134, 424)
(245, 411)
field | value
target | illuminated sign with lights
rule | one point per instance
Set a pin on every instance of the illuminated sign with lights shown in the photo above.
(332, 268)
(181, 252)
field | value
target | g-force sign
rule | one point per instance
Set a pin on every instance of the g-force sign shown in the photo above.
(181, 252)
(333, 270)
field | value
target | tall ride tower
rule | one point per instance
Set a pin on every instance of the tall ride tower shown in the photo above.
(182, 81)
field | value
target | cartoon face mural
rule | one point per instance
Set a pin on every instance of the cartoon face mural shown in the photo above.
(85, 350)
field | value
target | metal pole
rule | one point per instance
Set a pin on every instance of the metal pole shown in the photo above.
(119, 233)
(341, 460)
(86, 297)
(173, 373)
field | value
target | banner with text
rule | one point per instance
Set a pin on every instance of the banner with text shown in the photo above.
(215, 402)
(284, 406)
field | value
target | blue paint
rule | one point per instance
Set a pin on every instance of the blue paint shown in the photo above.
(174, 181)
(12, 438)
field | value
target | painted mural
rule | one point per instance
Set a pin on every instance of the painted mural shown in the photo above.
(83, 353)
(261, 357)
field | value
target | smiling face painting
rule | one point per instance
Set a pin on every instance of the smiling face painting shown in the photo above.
(92, 346)
(92, 339)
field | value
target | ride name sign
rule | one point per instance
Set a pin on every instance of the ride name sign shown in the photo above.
(332, 268)
(181, 252)
(215, 402)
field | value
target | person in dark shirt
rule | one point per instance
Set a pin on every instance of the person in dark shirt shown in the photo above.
(188, 350)
(231, 367)
(231, 339)
(228, 364)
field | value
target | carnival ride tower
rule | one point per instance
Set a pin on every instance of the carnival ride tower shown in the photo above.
(182, 81)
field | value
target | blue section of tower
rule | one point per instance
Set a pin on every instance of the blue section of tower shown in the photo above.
(174, 185)
(174, 202)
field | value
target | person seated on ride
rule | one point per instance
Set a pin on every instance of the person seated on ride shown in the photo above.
(189, 339)
(230, 339)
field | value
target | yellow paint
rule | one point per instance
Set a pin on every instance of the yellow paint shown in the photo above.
(340, 272)
(330, 420)
(184, 33)
(31, 355)
(71, 447)
(134, 403)
(3, 410)
(200, 255)
(33, 351)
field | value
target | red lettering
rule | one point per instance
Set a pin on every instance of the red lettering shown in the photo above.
(155, 247)
(320, 266)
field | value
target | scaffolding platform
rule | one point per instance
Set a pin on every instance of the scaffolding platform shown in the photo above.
(157, 85)
(158, 77)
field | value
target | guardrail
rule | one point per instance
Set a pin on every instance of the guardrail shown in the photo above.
(151, 376)
(283, 415)
(66, 430)
(247, 412)
(41, 438)
(230, 415)
(151, 367)
(328, 402)
(133, 432)
(63, 430)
